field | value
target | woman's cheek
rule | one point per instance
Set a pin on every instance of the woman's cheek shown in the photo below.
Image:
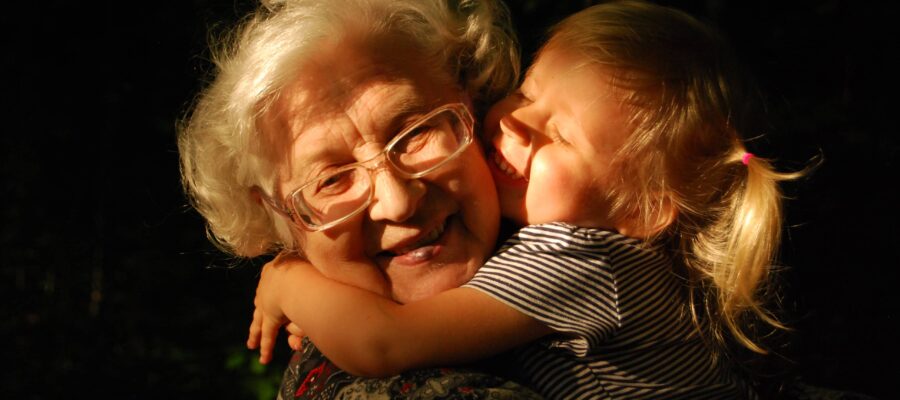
(340, 255)
(482, 202)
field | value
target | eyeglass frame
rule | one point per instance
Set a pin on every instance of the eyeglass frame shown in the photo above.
(459, 109)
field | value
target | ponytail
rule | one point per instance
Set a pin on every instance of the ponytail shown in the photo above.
(683, 176)
(736, 255)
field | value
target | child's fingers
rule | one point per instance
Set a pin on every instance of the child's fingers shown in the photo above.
(296, 342)
(295, 339)
(267, 340)
(255, 330)
(295, 330)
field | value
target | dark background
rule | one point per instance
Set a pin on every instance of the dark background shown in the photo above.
(110, 287)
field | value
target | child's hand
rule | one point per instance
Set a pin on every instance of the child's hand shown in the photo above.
(263, 332)
(295, 336)
(268, 316)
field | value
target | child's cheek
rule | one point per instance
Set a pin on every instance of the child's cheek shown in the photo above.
(560, 190)
(553, 193)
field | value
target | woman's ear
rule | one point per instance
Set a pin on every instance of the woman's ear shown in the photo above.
(256, 195)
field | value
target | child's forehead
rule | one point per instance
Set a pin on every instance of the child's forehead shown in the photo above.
(558, 60)
(562, 56)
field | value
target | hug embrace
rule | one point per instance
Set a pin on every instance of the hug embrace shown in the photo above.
(374, 146)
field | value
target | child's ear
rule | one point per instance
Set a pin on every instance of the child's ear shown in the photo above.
(647, 226)
(665, 217)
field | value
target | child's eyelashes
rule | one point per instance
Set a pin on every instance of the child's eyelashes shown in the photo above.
(519, 94)
(554, 134)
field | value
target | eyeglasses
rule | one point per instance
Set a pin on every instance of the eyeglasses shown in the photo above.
(423, 147)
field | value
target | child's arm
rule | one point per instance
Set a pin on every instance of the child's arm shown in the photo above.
(366, 334)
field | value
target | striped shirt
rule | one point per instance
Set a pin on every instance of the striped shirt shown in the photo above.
(619, 312)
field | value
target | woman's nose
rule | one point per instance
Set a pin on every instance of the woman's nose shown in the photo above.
(395, 198)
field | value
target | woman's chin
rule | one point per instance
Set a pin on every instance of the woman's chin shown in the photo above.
(450, 277)
(446, 264)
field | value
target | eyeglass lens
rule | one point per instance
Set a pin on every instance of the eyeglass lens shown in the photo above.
(417, 151)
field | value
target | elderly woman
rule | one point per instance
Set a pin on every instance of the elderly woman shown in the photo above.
(343, 132)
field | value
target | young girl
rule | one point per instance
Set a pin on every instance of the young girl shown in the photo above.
(650, 232)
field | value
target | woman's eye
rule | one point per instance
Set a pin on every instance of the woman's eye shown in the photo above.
(335, 183)
(416, 139)
(330, 181)
(423, 131)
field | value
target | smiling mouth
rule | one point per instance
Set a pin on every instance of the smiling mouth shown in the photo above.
(505, 167)
(419, 245)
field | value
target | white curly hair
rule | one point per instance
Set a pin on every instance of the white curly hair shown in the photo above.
(219, 143)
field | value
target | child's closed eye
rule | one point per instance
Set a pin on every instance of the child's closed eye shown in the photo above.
(522, 96)
(554, 134)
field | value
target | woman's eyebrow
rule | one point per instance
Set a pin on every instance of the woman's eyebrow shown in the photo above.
(406, 112)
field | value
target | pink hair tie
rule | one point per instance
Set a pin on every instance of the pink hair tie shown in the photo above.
(746, 158)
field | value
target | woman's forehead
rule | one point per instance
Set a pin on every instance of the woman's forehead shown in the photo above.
(319, 121)
(365, 82)
(371, 110)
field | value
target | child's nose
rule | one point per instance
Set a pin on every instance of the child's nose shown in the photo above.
(499, 111)
(512, 128)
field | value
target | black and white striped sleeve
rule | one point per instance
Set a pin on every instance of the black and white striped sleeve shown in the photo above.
(560, 278)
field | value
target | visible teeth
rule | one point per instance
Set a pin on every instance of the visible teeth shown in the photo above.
(420, 254)
(504, 166)
(425, 240)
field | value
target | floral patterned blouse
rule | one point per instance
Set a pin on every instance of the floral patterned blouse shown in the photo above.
(311, 376)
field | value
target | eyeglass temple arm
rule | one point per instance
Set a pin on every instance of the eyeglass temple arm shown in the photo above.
(261, 197)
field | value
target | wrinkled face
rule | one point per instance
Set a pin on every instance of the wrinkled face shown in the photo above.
(554, 141)
(418, 237)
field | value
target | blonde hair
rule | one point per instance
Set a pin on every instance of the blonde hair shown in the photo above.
(686, 179)
(221, 151)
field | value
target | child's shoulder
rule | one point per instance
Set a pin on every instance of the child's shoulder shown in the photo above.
(567, 229)
(559, 238)
(567, 235)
